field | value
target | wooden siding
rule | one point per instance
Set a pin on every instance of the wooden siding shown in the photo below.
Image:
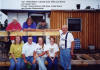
(90, 34)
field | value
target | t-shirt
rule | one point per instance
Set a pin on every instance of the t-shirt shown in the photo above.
(28, 49)
(26, 26)
(52, 49)
(70, 38)
(39, 49)
(16, 49)
(39, 26)
(14, 26)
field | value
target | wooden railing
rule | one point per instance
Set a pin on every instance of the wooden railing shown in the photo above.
(35, 32)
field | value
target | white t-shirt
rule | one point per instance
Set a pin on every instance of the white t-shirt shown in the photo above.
(39, 49)
(70, 38)
(28, 49)
(52, 49)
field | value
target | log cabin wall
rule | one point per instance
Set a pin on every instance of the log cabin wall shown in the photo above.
(90, 34)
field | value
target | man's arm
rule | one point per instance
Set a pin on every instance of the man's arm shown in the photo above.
(34, 57)
(23, 56)
(72, 47)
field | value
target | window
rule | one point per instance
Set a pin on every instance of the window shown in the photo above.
(37, 17)
(74, 24)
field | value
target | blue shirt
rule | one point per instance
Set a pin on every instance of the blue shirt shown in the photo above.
(26, 26)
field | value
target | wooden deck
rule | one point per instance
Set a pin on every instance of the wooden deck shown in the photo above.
(79, 60)
(86, 59)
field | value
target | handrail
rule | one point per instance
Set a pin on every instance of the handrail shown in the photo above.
(34, 32)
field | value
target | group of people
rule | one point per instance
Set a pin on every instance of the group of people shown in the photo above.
(28, 25)
(32, 52)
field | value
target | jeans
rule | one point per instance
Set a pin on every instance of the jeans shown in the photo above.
(13, 64)
(65, 58)
(52, 64)
(29, 59)
(41, 64)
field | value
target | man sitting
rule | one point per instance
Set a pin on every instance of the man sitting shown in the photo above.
(28, 54)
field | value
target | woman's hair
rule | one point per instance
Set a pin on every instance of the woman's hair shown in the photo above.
(29, 18)
(20, 40)
(52, 37)
(42, 39)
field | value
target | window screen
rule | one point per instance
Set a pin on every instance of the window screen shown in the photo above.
(74, 24)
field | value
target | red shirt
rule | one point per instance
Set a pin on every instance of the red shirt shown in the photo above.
(13, 26)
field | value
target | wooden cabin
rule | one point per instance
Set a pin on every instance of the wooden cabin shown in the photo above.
(56, 13)
(90, 32)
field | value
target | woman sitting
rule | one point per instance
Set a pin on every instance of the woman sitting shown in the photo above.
(15, 54)
(52, 55)
(41, 53)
